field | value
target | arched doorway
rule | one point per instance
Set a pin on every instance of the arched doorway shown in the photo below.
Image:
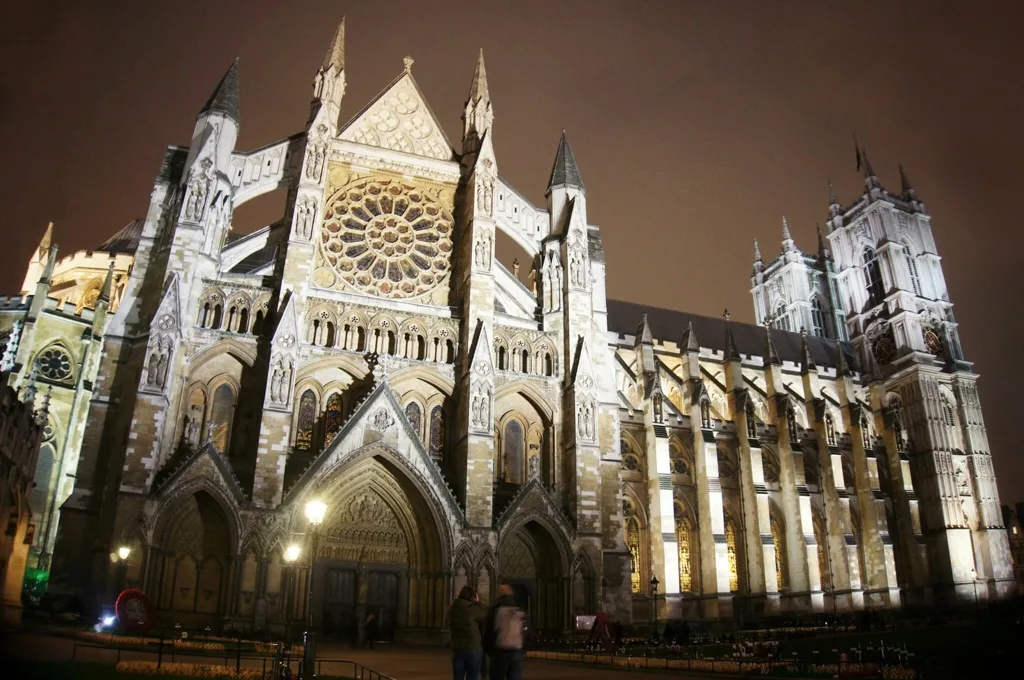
(196, 550)
(380, 554)
(530, 561)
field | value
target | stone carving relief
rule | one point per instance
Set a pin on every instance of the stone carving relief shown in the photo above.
(400, 120)
(485, 195)
(305, 217)
(585, 419)
(381, 420)
(480, 408)
(316, 155)
(281, 381)
(482, 249)
(198, 190)
(552, 281)
(366, 529)
(159, 358)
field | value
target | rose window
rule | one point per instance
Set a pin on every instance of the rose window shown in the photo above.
(387, 238)
(55, 364)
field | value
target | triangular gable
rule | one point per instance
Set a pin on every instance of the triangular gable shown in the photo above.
(379, 419)
(203, 463)
(533, 495)
(168, 315)
(401, 120)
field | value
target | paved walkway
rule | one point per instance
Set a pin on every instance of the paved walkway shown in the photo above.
(401, 663)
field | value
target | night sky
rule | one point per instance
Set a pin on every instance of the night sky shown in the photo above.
(696, 126)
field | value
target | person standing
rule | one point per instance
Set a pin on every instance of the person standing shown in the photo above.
(464, 619)
(506, 632)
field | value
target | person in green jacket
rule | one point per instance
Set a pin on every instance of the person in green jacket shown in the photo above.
(464, 618)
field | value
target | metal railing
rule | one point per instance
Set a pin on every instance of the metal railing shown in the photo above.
(273, 662)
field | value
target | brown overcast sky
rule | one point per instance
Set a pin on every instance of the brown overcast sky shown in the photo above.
(696, 126)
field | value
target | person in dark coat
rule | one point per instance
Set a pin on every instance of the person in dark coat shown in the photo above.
(464, 619)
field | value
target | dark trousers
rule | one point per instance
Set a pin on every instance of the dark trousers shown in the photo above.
(466, 664)
(507, 665)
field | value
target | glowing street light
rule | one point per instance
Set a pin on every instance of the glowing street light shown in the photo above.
(291, 553)
(315, 512)
(123, 552)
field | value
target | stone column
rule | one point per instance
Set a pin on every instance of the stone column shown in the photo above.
(875, 581)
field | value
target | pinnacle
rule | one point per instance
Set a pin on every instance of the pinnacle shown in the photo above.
(785, 230)
(806, 360)
(689, 342)
(730, 342)
(643, 332)
(905, 186)
(108, 284)
(771, 356)
(564, 172)
(478, 90)
(842, 368)
(757, 251)
(224, 99)
(833, 198)
(44, 243)
(336, 53)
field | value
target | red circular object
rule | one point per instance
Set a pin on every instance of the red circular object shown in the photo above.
(134, 611)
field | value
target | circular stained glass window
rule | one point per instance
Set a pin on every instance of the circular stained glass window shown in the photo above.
(387, 238)
(54, 364)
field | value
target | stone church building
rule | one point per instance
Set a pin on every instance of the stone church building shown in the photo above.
(468, 425)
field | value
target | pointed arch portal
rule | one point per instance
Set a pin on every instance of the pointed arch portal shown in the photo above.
(381, 552)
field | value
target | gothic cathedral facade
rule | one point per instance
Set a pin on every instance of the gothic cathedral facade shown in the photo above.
(466, 426)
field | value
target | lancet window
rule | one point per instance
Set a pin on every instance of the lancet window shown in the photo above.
(221, 416)
(306, 421)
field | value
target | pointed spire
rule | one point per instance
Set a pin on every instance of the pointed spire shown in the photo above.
(643, 332)
(335, 56)
(730, 342)
(564, 171)
(833, 198)
(29, 396)
(51, 263)
(757, 252)
(842, 368)
(771, 356)
(869, 172)
(478, 90)
(905, 186)
(823, 250)
(44, 243)
(224, 99)
(787, 238)
(806, 360)
(689, 342)
(108, 284)
(44, 408)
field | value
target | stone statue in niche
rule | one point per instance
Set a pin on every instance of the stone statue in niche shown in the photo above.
(305, 217)
(485, 196)
(198, 190)
(482, 251)
(316, 154)
(515, 268)
(534, 467)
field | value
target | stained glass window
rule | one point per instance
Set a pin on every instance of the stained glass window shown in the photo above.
(332, 418)
(683, 541)
(437, 433)
(415, 416)
(221, 414)
(633, 544)
(777, 539)
(730, 542)
(513, 452)
(307, 421)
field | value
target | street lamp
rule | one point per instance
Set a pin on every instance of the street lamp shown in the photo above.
(315, 511)
(654, 598)
(122, 568)
(291, 553)
(974, 580)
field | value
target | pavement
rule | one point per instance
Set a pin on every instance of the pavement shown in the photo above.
(401, 663)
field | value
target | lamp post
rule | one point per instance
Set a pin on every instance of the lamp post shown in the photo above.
(122, 568)
(974, 580)
(315, 511)
(654, 599)
(291, 554)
